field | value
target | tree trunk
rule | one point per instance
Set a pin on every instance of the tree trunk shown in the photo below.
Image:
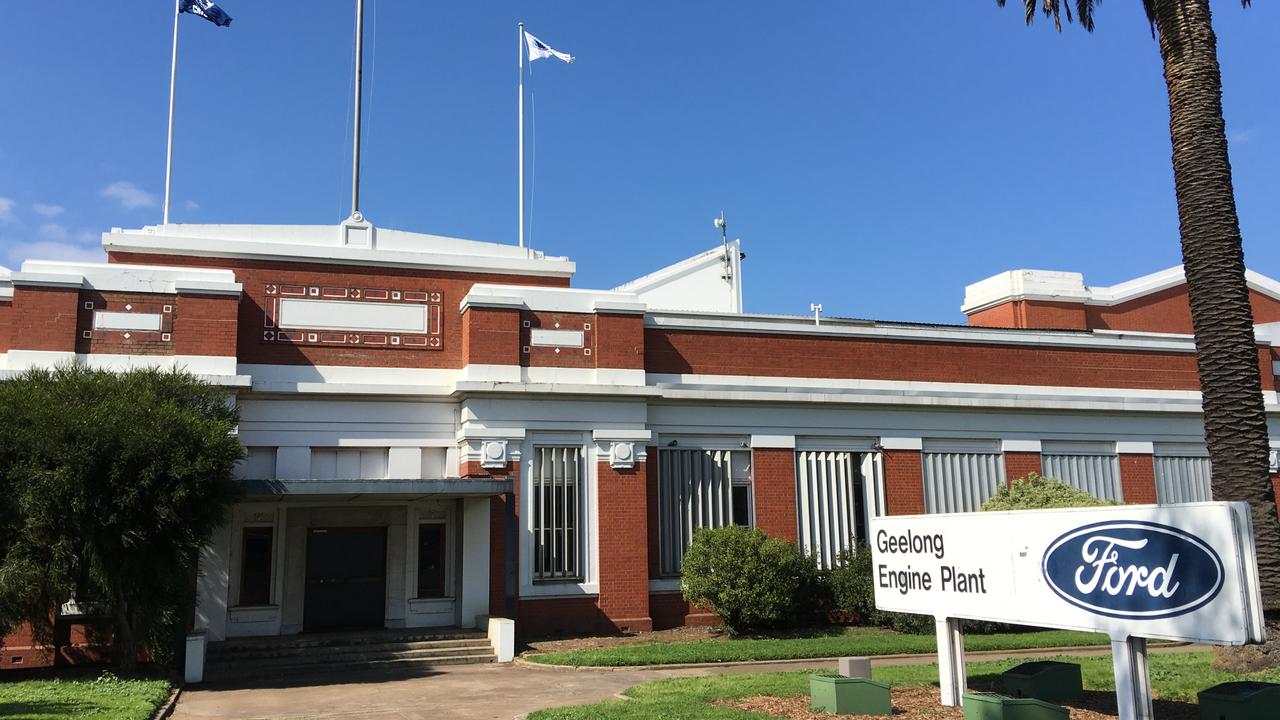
(125, 639)
(1226, 351)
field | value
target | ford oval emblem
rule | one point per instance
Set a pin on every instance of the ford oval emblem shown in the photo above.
(1133, 569)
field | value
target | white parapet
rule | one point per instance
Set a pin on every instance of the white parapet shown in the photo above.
(502, 636)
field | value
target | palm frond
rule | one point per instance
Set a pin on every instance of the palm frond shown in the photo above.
(1057, 8)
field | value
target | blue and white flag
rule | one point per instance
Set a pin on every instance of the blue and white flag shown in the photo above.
(207, 10)
(539, 49)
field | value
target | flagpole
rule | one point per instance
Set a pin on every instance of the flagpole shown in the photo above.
(520, 64)
(355, 153)
(173, 80)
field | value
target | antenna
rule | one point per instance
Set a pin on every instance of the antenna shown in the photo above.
(816, 308)
(724, 228)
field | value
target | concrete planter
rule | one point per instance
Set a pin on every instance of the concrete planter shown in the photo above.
(849, 696)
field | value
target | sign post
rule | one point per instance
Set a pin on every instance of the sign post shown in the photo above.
(1171, 572)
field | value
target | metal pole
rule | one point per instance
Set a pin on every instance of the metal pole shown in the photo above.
(520, 65)
(355, 153)
(173, 78)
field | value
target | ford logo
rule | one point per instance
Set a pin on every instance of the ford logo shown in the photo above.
(1133, 569)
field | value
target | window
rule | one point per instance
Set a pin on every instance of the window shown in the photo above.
(255, 566)
(557, 514)
(1183, 473)
(829, 497)
(697, 489)
(960, 475)
(1089, 466)
(431, 564)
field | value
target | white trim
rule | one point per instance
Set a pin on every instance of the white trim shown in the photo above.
(1020, 446)
(1129, 447)
(1078, 447)
(121, 277)
(570, 300)
(836, 443)
(1179, 449)
(637, 435)
(133, 321)
(974, 446)
(782, 442)
(902, 443)
(550, 337)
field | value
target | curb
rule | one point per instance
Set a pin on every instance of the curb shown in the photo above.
(991, 654)
(166, 710)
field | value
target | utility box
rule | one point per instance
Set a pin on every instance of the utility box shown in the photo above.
(855, 667)
(990, 706)
(1246, 700)
(1046, 680)
(849, 696)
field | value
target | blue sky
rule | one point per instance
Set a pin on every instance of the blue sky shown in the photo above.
(874, 157)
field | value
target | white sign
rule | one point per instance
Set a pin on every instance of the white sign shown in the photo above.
(1173, 572)
(345, 315)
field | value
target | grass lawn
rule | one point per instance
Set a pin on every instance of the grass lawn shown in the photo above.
(1174, 677)
(853, 641)
(103, 698)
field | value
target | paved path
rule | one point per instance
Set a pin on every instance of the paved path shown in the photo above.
(475, 692)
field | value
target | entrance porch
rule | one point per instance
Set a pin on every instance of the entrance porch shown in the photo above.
(289, 563)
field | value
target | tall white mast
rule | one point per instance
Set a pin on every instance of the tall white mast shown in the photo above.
(355, 152)
(173, 78)
(520, 144)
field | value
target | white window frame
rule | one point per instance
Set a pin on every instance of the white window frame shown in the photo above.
(703, 445)
(590, 517)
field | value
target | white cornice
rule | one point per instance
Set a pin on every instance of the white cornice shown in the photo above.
(120, 277)
(789, 325)
(324, 244)
(570, 300)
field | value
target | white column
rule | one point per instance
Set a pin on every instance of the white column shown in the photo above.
(473, 594)
(1133, 681)
(951, 670)
(213, 584)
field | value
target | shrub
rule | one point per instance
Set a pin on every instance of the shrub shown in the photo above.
(853, 593)
(750, 580)
(1036, 492)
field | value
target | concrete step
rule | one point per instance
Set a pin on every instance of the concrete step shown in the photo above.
(409, 666)
(347, 639)
(262, 651)
(350, 658)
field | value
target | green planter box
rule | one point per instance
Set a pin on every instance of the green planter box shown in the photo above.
(849, 696)
(1245, 700)
(989, 706)
(1046, 680)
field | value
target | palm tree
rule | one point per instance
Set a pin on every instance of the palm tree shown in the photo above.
(1227, 357)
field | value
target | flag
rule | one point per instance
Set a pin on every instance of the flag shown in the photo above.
(539, 49)
(207, 10)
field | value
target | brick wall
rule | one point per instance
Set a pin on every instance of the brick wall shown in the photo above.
(669, 610)
(1138, 479)
(255, 275)
(774, 478)
(498, 556)
(206, 325)
(1032, 314)
(651, 506)
(6, 325)
(1018, 465)
(687, 351)
(903, 482)
(82, 643)
(45, 318)
(490, 336)
(566, 357)
(624, 542)
(621, 341)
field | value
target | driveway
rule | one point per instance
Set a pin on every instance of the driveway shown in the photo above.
(474, 692)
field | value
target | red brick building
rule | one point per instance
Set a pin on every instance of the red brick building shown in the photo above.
(440, 430)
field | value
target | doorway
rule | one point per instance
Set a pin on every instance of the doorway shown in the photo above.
(346, 581)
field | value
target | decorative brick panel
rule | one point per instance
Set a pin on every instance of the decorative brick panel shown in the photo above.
(125, 342)
(774, 479)
(255, 275)
(45, 318)
(624, 543)
(1138, 479)
(903, 482)
(552, 356)
(1018, 465)
(689, 351)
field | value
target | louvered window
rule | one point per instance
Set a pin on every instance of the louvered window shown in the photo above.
(1089, 466)
(557, 514)
(699, 489)
(1183, 473)
(960, 475)
(829, 498)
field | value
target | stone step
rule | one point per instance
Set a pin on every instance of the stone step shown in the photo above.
(248, 652)
(235, 645)
(408, 666)
(350, 658)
